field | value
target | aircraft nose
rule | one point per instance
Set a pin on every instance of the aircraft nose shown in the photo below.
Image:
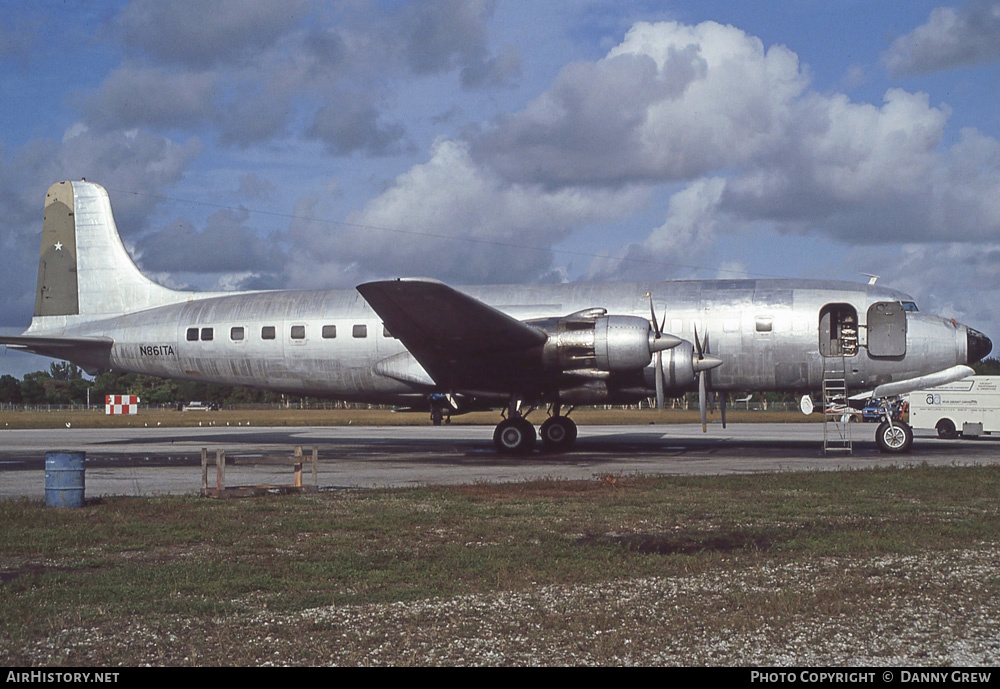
(978, 346)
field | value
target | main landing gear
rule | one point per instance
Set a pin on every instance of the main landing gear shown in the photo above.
(558, 433)
(516, 436)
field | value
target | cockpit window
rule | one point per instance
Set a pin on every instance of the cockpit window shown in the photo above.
(910, 306)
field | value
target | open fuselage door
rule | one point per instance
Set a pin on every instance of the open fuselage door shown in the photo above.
(886, 329)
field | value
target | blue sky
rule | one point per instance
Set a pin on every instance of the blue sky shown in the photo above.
(312, 144)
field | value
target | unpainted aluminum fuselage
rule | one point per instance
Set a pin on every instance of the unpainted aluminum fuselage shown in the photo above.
(766, 332)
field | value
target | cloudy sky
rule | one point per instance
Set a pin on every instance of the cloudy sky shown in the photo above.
(301, 144)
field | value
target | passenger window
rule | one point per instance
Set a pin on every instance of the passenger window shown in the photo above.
(329, 332)
(207, 334)
(192, 334)
(360, 331)
(298, 332)
(267, 332)
(236, 334)
(763, 324)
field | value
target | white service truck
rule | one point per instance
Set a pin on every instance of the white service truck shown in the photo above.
(969, 407)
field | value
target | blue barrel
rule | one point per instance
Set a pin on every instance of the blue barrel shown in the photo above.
(64, 479)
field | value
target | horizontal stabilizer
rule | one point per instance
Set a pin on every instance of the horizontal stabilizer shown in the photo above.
(90, 353)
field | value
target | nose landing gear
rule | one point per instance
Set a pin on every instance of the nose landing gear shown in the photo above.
(893, 436)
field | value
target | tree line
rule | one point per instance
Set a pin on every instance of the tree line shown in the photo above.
(65, 383)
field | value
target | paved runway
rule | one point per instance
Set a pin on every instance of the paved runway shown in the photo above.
(148, 461)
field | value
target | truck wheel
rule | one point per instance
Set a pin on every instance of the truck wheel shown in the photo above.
(894, 439)
(946, 429)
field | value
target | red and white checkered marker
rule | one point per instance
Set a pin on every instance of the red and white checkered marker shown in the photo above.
(121, 404)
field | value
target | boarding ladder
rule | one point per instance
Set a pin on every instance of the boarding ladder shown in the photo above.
(836, 411)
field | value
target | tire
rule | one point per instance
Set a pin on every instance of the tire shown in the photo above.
(558, 433)
(946, 429)
(436, 416)
(514, 437)
(894, 439)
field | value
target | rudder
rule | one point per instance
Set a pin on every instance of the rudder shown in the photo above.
(57, 293)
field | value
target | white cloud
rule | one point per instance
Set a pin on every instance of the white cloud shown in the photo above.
(953, 280)
(707, 106)
(670, 102)
(453, 220)
(687, 235)
(950, 38)
(135, 95)
(203, 33)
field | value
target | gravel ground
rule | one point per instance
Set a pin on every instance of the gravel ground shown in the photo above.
(926, 610)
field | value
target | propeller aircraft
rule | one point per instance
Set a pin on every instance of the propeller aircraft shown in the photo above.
(419, 343)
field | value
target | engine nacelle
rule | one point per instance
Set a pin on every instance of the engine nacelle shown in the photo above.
(591, 340)
(623, 343)
(680, 369)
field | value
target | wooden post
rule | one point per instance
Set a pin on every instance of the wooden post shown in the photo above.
(204, 470)
(220, 470)
(297, 460)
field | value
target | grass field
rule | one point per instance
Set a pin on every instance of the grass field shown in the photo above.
(364, 417)
(890, 566)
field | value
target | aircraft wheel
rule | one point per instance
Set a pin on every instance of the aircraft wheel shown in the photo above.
(436, 416)
(558, 433)
(514, 437)
(894, 439)
(946, 429)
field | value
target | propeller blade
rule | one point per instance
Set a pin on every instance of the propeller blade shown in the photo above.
(723, 408)
(657, 329)
(658, 372)
(702, 394)
(697, 344)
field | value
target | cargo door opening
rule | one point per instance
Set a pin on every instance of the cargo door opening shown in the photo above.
(838, 330)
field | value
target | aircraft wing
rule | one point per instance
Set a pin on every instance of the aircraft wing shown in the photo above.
(460, 341)
(90, 353)
(949, 375)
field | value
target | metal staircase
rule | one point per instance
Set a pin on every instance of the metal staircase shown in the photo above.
(836, 411)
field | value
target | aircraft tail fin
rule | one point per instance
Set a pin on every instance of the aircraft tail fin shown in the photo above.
(84, 269)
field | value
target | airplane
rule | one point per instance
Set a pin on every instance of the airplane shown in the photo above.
(419, 343)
